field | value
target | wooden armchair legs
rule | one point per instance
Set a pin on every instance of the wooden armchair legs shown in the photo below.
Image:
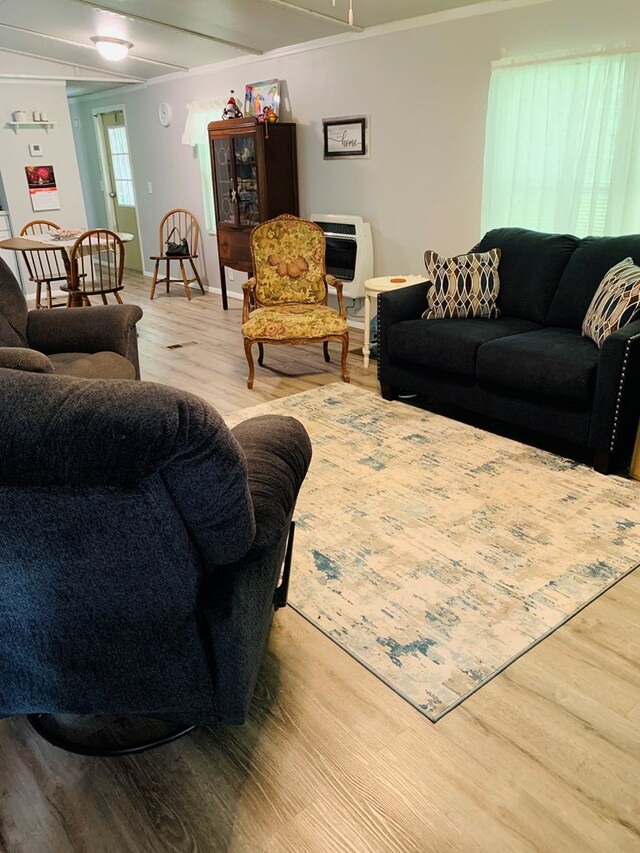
(248, 343)
(247, 351)
(343, 360)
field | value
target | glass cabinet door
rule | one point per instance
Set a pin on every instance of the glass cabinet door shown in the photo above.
(225, 188)
(244, 149)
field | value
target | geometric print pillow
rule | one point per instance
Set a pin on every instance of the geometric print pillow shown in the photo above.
(464, 286)
(615, 303)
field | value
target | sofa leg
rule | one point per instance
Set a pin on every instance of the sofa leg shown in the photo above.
(602, 461)
(389, 392)
(282, 592)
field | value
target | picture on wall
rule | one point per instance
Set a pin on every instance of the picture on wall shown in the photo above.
(345, 137)
(257, 96)
(43, 190)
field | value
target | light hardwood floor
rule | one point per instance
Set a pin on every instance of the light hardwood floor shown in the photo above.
(546, 757)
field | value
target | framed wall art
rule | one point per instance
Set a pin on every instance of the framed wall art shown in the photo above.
(257, 96)
(345, 137)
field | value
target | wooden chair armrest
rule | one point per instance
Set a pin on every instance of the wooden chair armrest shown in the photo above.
(337, 285)
(247, 292)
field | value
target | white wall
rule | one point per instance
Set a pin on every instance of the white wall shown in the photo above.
(58, 150)
(57, 147)
(425, 91)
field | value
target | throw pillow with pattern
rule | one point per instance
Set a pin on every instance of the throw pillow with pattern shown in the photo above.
(464, 286)
(615, 303)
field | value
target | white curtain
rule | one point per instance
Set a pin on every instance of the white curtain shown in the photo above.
(198, 117)
(195, 133)
(562, 148)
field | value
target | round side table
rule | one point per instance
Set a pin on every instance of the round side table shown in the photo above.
(374, 286)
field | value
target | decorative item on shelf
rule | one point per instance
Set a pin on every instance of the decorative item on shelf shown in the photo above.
(231, 110)
(269, 116)
(19, 115)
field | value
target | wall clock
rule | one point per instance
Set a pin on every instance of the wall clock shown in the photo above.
(165, 114)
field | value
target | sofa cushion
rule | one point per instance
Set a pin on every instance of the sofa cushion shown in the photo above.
(587, 267)
(449, 345)
(616, 302)
(464, 286)
(556, 363)
(531, 266)
(23, 358)
(97, 365)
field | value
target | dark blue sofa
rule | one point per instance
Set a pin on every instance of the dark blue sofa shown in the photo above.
(531, 366)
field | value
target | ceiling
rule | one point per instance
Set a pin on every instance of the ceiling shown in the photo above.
(171, 36)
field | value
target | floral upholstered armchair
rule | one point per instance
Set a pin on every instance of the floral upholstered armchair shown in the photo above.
(286, 300)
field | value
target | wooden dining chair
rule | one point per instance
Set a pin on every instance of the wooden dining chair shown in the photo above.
(44, 266)
(186, 225)
(97, 265)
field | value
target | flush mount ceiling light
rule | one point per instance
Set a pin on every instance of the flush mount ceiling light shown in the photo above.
(111, 48)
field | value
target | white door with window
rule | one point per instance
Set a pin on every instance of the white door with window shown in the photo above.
(118, 183)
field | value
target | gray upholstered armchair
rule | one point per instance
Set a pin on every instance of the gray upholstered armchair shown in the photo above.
(151, 591)
(97, 342)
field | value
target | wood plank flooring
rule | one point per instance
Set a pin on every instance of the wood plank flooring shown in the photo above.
(546, 757)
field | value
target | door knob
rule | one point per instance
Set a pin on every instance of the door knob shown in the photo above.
(112, 195)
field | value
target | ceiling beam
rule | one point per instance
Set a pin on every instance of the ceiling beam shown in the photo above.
(134, 16)
(292, 7)
(86, 46)
(109, 76)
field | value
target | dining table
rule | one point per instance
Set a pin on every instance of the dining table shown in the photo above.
(47, 242)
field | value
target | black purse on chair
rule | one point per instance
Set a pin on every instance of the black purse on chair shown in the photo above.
(176, 250)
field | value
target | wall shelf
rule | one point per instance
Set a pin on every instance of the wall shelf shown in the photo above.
(16, 125)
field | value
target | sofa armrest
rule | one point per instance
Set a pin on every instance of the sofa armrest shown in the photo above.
(405, 303)
(616, 405)
(102, 328)
(21, 358)
(237, 600)
(395, 306)
(278, 453)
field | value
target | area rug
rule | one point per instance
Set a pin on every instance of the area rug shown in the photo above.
(436, 553)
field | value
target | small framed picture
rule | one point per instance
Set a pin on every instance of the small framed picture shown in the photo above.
(345, 137)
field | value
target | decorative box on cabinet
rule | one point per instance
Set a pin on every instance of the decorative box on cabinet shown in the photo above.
(255, 177)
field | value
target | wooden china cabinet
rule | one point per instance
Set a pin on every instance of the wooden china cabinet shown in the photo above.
(255, 177)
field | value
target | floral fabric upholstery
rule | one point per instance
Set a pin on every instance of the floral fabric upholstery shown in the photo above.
(288, 322)
(288, 262)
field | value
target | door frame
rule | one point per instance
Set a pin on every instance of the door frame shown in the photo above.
(106, 176)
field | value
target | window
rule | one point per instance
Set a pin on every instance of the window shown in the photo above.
(562, 149)
(121, 165)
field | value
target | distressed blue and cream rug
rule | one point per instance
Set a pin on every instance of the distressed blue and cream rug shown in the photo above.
(436, 553)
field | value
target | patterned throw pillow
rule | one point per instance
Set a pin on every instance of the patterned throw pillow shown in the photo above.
(615, 303)
(464, 286)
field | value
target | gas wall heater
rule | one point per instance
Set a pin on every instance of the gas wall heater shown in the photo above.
(349, 250)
